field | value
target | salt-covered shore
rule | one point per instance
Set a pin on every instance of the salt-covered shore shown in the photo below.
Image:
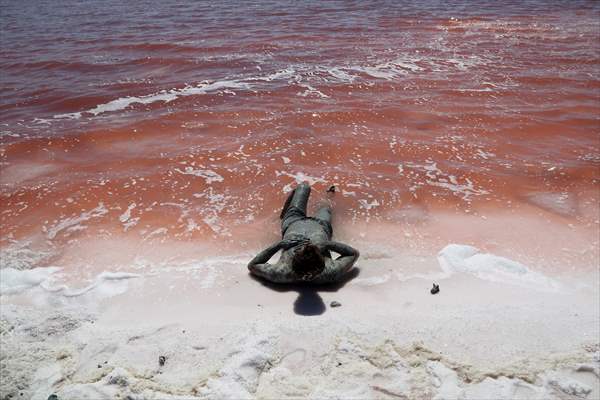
(498, 329)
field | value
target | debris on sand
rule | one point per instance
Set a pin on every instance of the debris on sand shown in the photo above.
(435, 289)
(335, 304)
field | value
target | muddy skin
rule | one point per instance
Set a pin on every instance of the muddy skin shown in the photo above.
(297, 229)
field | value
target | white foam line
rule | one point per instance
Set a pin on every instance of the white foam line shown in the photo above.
(156, 232)
(100, 279)
(300, 177)
(388, 70)
(283, 74)
(165, 96)
(465, 190)
(208, 175)
(70, 222)
(364, 203)
(311, 91)
(127, 214)
(440, 179)
(341, 75)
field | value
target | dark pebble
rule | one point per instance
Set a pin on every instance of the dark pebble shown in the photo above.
(53, 397)
(331, 189)
(335, 304)
(435, 289)
(162, 360)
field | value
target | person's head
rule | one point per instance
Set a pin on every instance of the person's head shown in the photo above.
(307, 262)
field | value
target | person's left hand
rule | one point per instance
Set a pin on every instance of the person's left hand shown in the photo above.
(289, 243)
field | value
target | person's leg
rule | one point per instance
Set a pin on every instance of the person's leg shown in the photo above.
(323, 215)
(295, 206)
(300, 198)
(286, 205)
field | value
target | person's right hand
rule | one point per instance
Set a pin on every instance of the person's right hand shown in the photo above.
(289, 243)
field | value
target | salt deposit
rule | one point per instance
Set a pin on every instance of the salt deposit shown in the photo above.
(232, 337)
(106, 284)
(456, 258)
(260, 363)
(15, 281)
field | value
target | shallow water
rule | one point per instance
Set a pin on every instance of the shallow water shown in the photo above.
(190, 121)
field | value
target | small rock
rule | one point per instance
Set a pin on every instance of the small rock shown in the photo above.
(162, 360)
(53, 397)
(335, 304)
(435, 289)
(331, 189)
(99, 365)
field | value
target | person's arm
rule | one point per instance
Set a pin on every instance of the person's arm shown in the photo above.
(274, 273)
(265, 255)
(342, 264)
(342, 249)
(260, 267)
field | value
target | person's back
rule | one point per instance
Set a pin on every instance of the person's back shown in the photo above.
(306, 246)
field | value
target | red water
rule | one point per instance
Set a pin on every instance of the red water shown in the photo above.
(198, 117)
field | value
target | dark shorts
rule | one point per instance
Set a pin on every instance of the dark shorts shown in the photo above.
(297, 215)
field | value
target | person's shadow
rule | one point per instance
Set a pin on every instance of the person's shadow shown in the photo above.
(309, 302)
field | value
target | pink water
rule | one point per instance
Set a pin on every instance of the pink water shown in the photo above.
(188, 122)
